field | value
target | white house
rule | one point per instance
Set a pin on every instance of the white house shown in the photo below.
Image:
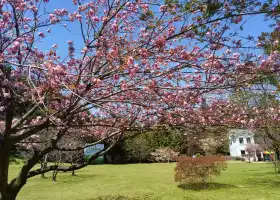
(238, 139)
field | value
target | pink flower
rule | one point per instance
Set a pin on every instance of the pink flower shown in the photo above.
(116, 77)
(84, 50)
(130, 60)
(115, 27)
(259, 44)
(228, 51)
(16, 44)
(61, 12)
(162, 8)
(41, 34)
(95, 19)
(145, 7)
(53, 18)
(55, 46)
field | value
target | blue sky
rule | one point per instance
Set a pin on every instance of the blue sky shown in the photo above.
(59, 35)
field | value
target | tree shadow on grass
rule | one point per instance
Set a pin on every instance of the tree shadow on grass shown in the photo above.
(68, 178)
(77, 177)
(118, 197)
(263, 181)
(207, 186)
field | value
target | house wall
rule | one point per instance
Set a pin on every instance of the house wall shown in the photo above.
(235, 147)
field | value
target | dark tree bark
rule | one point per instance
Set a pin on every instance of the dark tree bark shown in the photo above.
(44, 164)
(6, 191)
(55, 172)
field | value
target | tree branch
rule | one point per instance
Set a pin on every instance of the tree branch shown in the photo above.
(24, 117)
(88, 145)
(73, 167)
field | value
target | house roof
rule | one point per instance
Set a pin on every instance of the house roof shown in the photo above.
(241, 132)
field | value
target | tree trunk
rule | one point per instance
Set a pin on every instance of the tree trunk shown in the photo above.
(42, 167)
(6, 192)
(44, 164)
(5, 195)
(73, 173)
(54, 175)
(276, 160)
(277, 154)
(3, 176)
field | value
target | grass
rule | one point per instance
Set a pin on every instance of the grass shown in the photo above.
(241, 181)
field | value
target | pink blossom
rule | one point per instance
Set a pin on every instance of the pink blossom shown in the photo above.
(84, 50)
(41, 34)
(61, 12)
(53, 18)
(95, 19)
(162, 8)
(55, 46)
(116, 77)
(115, 27)
(130, 60)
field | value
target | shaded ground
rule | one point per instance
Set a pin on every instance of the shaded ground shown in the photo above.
(208, 186)
(241, 181)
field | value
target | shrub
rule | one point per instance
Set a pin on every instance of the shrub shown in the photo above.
(242, 159)
(198, 170)
(138, 148)
(252, 150)
(164, 155)
(237, 158)
(228, 157)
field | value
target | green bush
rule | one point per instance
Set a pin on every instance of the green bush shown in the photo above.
(140, 147)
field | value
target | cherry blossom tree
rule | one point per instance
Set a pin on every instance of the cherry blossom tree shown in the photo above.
(251, 151)
(135, 65)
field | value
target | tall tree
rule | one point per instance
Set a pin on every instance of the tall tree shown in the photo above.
(133, 65)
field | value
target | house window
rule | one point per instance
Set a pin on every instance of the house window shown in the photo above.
(248, 140)
(241, 141)
(242, 153)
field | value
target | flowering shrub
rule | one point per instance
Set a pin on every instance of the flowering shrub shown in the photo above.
(164, 155)
(251, 151)
(198, 170)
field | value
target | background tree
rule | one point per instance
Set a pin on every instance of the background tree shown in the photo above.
(157, 138)
(251, 151)
(138, 148)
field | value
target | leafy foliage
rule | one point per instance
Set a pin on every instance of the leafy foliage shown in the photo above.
(198, 170)
(141, 145)
(138, 148)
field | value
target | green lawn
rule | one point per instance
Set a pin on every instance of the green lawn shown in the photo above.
(240, 181)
